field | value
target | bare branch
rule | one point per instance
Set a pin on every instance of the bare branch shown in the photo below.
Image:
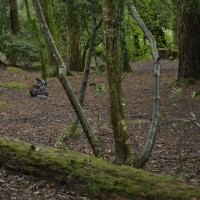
(156, 86)
(66, 85)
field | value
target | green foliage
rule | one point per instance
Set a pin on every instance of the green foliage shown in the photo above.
(99, 87)
(175, 92)
(4, 8)
(155, 12)
(22, 49)
(136, 43)
(187, 81)
(196, 94)
(14, 70)
(14, 85)
(19, 48)
(99, 68)
(99, 50)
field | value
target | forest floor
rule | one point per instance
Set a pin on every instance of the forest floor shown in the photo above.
(29, 119)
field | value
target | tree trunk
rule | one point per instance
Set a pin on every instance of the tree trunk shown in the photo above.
(52, 70)
(114, 81)
(149, 144)
(14, 26)
(74, 36)
(33, 23)
(91, 175)
(95, 27)
(64, 81)
(124, 50)
(126, 67)
(189, 40)
(174, 26)
(14, 19)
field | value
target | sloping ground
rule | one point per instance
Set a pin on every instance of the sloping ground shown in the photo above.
(30, 119)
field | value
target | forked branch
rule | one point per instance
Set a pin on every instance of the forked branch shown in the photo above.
(64, 81)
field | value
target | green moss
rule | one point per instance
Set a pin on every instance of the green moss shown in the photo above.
(14, 85)
(89, 174)
(188, 81)
(14, 70)
(2, 104)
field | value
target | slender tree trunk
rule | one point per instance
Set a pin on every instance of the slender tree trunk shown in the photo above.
(189, 39)
(149, 144)
(126, 62)
(95, 27)
(126, 67)
(174, 25)
(64, 81)
(14, 26)
(14, 19)
(74, 37)
(39, 40)
(114, 82)
(85, 50)
(52, 70)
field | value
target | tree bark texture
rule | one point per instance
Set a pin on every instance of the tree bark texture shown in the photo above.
(14, 27)
(91, 175)
(14, 19)
(64, 81)
(114, 82)
(189, 40)
(74, 37)
(126, 67)
(52, 70)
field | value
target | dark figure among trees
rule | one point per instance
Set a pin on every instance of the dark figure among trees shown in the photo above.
(39, 89)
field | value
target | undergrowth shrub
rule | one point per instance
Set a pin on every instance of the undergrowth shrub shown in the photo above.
(22, 49)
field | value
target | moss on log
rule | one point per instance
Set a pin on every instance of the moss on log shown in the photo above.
(85, 173)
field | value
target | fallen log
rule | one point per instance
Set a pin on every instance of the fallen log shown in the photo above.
(92, 175)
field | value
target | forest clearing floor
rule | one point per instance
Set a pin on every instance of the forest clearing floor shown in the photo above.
(176, 150)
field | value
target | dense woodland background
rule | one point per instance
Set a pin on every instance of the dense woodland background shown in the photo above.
(130, 70)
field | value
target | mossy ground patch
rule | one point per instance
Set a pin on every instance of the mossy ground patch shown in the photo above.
(14, 85)
(2, 104)
(14, 70)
